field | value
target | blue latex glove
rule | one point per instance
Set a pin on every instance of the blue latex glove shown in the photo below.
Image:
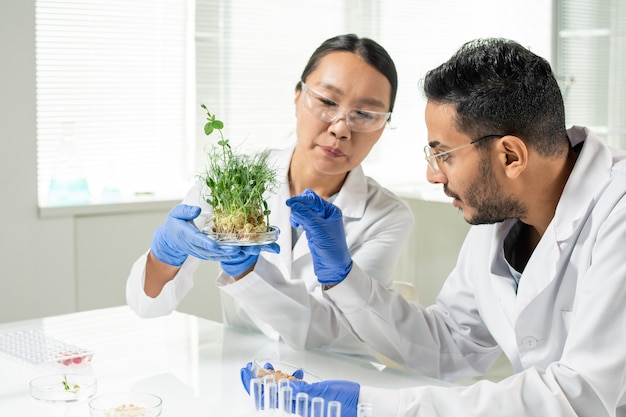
(247, 374)
(323, 223)
(346, 392)
(236, 267)
(178, 238)
(250, 254)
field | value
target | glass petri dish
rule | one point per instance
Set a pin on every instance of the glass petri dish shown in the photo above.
(126, 404)
(63, 387)
(281, 369)
(244, 239)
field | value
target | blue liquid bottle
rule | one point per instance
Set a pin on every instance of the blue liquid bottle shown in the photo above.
(68, 185)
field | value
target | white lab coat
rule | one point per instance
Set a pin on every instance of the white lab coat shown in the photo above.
(564, 331)
(281, 296)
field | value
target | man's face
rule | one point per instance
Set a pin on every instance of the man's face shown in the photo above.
(467, 174)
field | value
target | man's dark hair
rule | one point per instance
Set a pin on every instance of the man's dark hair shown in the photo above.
(499, 87)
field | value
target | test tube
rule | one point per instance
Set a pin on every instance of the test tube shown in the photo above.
(271, 395)
(256, 387)
(302, 404)
(364, 410)
(282, 382)
(317, 407)
(269, 378)
(334, 409)
(284, 399)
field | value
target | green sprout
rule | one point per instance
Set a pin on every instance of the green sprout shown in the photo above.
(237, 184)
(73, 389)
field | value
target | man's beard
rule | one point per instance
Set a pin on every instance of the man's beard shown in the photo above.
(488, 199)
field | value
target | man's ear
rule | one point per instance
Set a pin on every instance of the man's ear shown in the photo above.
(514, 155)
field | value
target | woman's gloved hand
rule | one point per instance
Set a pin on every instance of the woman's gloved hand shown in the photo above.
(346, 392)
(178, 238)
(249, 255)
(323, 223)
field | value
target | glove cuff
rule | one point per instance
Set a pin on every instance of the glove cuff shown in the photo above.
(337, 277)
(168, 259)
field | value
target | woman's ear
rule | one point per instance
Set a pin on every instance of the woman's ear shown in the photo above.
(297, 94)
(514, 154)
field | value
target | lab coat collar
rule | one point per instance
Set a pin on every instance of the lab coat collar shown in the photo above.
(590, 176)
(353, 194)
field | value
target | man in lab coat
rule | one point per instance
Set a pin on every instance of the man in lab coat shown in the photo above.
(541, 275)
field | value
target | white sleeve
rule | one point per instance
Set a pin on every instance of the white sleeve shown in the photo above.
(169, 297)
(265, 299)
(425, 340)
(296, 309)
(557, 392)
(174, 291)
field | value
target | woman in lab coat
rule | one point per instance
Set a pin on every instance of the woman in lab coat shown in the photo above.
(541, 276)
(342, 104)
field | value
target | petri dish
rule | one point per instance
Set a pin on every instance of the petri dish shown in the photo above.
(282, 369)
(126, 404)
(63, 387)
(244, 239)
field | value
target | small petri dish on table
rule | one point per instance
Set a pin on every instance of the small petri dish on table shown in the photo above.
(244, 239)
(63, 387)
(126, 404)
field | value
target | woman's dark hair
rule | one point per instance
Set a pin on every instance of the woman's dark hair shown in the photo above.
(499, 87)
(371, 52)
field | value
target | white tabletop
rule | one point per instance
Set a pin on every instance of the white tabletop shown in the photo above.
(191, 363)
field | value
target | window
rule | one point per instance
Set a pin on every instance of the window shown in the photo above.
(591, 64)
(113, 99)
(120, 82)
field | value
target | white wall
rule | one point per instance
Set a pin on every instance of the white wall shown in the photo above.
(63, 263)
(34, 254)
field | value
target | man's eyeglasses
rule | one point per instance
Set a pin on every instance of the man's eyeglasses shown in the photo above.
(434, 159)
(328, 110)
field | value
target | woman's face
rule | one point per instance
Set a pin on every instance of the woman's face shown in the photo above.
(346, 80)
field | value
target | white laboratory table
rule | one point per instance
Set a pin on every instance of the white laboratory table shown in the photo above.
(191, 363)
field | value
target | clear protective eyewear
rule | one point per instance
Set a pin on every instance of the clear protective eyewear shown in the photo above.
(328, 110)
(433, 159)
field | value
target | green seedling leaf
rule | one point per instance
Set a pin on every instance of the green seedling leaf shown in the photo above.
(208, 128)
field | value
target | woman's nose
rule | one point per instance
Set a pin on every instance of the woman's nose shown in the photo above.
(339, 127)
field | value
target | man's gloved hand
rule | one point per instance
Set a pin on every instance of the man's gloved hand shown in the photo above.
(178, 238)
(323, 223)
(346, 392)
(247, 373)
